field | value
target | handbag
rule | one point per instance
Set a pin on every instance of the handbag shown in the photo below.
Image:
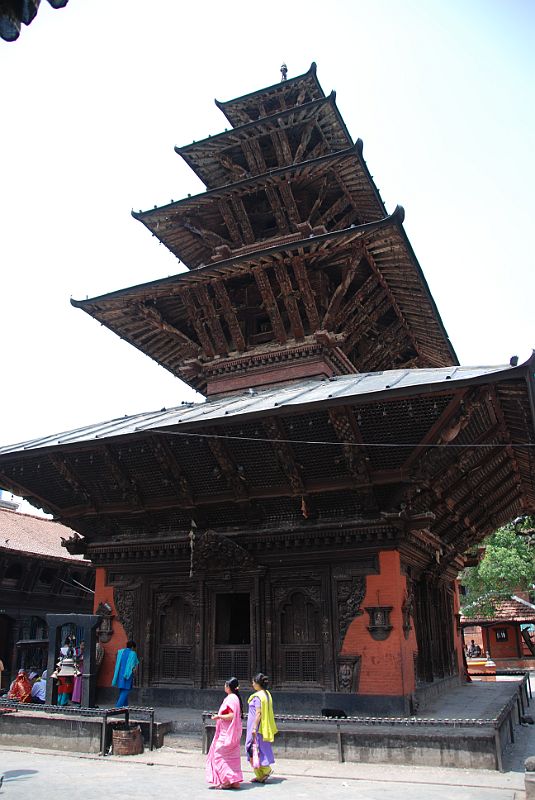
(255, 760)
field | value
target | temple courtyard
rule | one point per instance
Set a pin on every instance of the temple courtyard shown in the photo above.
(177, 768)
(168, 773)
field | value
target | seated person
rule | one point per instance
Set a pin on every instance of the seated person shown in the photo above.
(21, 688)
(39, 689)
(474, 650)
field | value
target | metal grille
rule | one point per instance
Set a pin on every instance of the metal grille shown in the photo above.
(233, 662)
(224, 666)
(301, 665)
(310, 667)
(175, 664)
(292, 666)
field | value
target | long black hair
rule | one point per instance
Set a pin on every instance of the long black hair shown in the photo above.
(262, 680)
(234, 684)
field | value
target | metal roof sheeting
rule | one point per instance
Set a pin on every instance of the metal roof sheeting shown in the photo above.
(292, 396)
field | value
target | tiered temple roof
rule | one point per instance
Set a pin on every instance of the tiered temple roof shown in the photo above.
(295, 268)
(335, 416)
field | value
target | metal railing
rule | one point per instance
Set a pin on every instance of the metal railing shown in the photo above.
(104, 714)
(520, 700)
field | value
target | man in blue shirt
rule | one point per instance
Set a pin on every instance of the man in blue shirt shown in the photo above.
(125, 666)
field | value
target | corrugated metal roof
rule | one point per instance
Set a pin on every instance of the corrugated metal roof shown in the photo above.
(263, 401)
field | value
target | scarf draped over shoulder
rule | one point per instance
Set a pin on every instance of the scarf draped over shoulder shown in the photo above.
(268, 728)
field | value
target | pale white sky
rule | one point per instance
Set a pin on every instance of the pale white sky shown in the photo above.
(95, 96)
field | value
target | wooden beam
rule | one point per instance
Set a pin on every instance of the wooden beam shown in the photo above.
(172, 471)
(62, 466)
(284, 453)
(230, 314)
(338, 205)
(278, 212)
(393, 301)
(269, 303)
(290, 296)
(356, 303)
(6, 482)
(307, 295)
(207, 236)
(320, 199)
(243, 219)
(285, 191)
(282, 134)
(231, 223)
(347, 431)
(212, 319)
(227, 497)
(198, 325)
(254, 155)
(123, 480)
(234, 475)
(352, 265)
(308, 129)
(156, 320)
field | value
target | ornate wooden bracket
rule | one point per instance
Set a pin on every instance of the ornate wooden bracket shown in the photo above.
(285, 455)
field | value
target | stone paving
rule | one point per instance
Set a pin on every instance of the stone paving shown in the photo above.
(179, 770)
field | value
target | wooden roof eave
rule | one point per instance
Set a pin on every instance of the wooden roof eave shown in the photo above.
(219, 268)
(191, 248)
(226, 105)
(235, 264)
(202, 156)
(252, 181)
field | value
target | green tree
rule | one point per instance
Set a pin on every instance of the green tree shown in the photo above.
(508, 566)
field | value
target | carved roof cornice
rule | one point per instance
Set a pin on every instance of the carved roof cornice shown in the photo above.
(333, 191)
(371, 535)
(183, 328)
(310, 130)
(277, 97)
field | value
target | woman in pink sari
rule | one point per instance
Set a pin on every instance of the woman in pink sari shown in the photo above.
(223, 764)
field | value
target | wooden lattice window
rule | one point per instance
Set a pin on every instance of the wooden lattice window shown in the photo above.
(300, 639)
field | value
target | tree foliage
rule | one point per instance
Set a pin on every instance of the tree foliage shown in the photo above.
(508, 566)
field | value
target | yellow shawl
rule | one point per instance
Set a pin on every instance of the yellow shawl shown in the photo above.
(268, 727)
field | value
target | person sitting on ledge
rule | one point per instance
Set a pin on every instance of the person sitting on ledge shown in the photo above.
(474, 650)
(21, 688)
(39, 689)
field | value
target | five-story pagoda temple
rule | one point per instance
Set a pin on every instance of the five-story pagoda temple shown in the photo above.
(310, 516)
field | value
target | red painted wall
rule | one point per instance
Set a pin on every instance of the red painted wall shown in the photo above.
(500, 648)
(387, 667)
(104, 594)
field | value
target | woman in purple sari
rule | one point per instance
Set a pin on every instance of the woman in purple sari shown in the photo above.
(261, 730)
(223, 764)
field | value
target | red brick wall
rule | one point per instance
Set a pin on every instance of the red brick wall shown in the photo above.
(500, 648)
(387, 667)
(104, 594)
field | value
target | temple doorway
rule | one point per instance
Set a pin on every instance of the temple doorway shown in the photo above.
(232, 637)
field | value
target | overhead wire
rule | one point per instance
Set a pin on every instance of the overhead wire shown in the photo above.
(411, 445)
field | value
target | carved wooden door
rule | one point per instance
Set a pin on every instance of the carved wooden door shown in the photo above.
(300, 661)
(175, 650)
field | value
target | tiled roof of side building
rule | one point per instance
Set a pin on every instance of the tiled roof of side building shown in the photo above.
(36, 536)
(509, 610)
